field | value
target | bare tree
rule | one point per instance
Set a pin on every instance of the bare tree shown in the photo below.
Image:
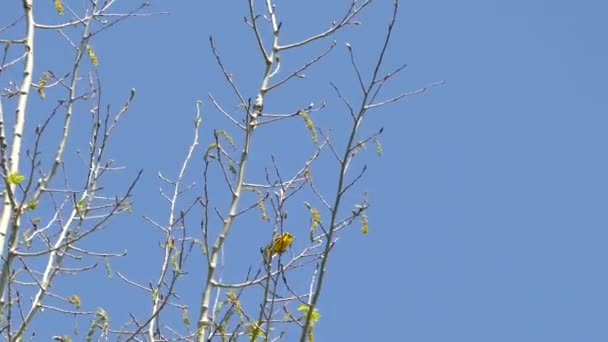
(52, 204)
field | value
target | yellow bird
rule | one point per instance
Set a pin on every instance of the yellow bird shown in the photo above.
(279, 244)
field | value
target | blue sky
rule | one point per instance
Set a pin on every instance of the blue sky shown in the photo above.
(488, 218)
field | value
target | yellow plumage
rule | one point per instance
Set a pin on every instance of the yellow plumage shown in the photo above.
(279, 244)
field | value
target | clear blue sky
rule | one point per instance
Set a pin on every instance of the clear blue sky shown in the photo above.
(488, 218)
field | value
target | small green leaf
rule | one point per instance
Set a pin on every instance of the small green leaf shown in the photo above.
(254, 331)
(309, 125)
(185, 318)
(74, 299)
(58, 6)
(364, 223)
(101, 319)
(14, 178)
(315, 219)
(127, 206)
(92, 56)
(26, 238)
(378, 147)
(262, 207)
(174, 261)
(231, 167)
(222, 133)
(41, 84)
(315, 313)
(31, 205)
(307, 174)
(80, 207)
(210, 147)
(106, 263)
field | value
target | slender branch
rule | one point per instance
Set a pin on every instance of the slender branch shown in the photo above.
(346, 20)
(403, 95)
(355, 67)
(217, 105)
(168, 249)
(256, 31)
(303, 67)
(227, 75)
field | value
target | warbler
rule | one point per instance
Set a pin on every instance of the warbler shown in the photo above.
(279, 244)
